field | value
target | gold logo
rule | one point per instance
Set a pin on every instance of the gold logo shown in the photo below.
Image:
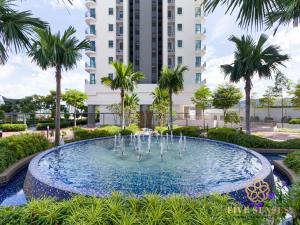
(258, 191)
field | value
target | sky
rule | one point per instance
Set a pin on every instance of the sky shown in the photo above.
(20, 77)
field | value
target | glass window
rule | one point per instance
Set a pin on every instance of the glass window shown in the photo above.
(198, 78)
(198, 12)
(179, 60)
(93, 45)
(179, 44)
(198, 61)
(93, 62)
(93, 29)
(110, 11)
(111, 75)
(198, 29)
(110, 44)
(92, 78)
(198, 45)
(179, 27)
(179, 11)
(110, 60)
(110, 27)
(93, 12)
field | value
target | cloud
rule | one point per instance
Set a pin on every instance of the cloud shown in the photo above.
(76, 5)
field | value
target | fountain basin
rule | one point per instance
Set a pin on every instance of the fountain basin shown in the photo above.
(96, 168)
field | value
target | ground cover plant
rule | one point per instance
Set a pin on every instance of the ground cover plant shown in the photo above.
(293, 161)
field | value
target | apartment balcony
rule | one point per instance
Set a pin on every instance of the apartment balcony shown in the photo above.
(119, 19)
(90, 35)
(201, 68)
(171, 3)
(90, 68)
(171, 34)
(119, 52)
(119, 36)
(171, 51)
(91, 52)
(201, 52)
(200, 19)
(89, 18)
(200, 36)
(119, 3)
(90, 3)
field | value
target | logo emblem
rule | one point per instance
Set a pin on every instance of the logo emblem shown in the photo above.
(258, 191)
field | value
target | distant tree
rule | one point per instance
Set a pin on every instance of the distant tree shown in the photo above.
(296, 96)
(76, 99)
(132, 103)
(268, 99)
(253, 58)
(125, 80)
(202, 99)
(253, 103)
(232, 117)
(48, 102)
(226, 96)
(282, 86)
(2, 115)
(172, 80)
(30, 105)
(160, 105)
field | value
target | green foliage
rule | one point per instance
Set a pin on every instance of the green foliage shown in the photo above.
(294, 121)
(226, 96)
(186, 131)
(117, 209)
(132, 103)
(17, 147)
(13, 127)
(160, 105)
(250, 141)
(202, 98)
(160, 129)
(105, 131)
(293, 161)
(63, 124)
(293, 202)
(296, 96)
(74, 98)
(232, 117)
(2, 115)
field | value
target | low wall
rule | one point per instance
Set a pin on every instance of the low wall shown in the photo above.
(288, 126)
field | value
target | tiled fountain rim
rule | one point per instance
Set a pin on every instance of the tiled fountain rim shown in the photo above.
(228, 188)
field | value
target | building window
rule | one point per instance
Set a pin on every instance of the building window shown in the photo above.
(198, 61)
(170, 62)
(93, 45)
(179, 60)
(110, 27)
(198, 29)
(92, 78)
(121, 15)
(111, 75)
(198, 78)
(93, 29)
(197, 12)
(198, 45)
(110, 11)
(179, 27)
(179, 44)
(93, 62)
(93, 13)
(179, 11)
(110, 60)
(110, 44)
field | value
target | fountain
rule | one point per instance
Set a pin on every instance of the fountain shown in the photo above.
(94, 167)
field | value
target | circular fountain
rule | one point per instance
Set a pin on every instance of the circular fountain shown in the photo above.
(137, 165)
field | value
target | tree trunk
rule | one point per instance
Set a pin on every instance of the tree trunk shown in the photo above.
(247, 110)
(282, 112)
(171, 110)
(122, 109)
(203, 118)
(75, 117)
(57, 111)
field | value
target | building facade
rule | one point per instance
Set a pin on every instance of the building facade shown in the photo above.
(148, 34)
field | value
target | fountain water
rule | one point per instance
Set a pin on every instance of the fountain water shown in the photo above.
(149, 142)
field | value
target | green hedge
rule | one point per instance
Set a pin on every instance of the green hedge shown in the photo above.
(250, 141)
(295, 121)
(293, 161)
(13, 127)
(106, 131)
(17, 147)
(151, 210)
(186, 131)
(63, 124)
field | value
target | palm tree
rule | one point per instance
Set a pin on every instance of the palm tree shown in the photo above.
(252, 58)
(131, 103)
(256, 13)
(16, 29)
(125, 80)
(160, 104)
(59, 52)
(172, 81)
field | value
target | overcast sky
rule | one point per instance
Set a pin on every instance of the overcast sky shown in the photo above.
(19, 77)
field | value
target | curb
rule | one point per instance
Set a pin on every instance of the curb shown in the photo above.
(279, 164)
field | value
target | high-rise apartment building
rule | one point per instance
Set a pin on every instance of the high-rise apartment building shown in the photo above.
(148, 34)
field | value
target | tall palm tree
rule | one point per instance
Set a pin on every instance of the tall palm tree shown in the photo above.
(59, 52)
(252, 58)
(131, 103)
(16, 29)
(256, 13)
(125, 80)
(172, 80)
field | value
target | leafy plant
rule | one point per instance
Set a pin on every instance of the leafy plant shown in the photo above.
(13, 127)
(293, 161)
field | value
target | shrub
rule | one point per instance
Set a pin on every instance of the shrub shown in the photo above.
(250, 141)
(13, 127)
(131, 129)
(116, 209)
(186, 131)
(161, 129)
(293, 161)
(63, 124)
(2, 115)
(106, 131)
(17, 147)
(294, 121)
